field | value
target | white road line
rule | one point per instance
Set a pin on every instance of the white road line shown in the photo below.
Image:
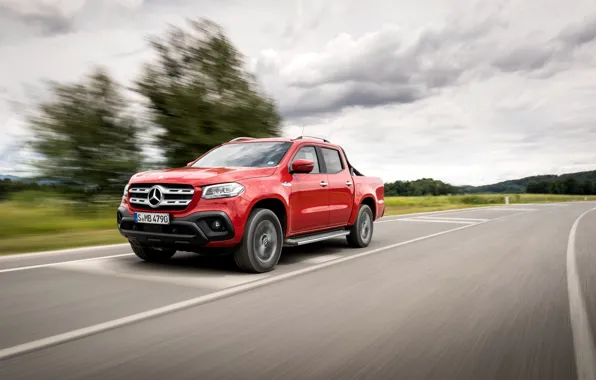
(63, 262)
(465, 209)
(453, 218)
(18, 256)
(321, 259)
(429, 221)
(507, 208)
(585, 353)
(105, 326)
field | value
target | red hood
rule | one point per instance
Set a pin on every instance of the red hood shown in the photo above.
(200, 176)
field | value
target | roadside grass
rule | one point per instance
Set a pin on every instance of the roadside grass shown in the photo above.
(36, 243)
(32, 222)
(407, 205)
(37, 221)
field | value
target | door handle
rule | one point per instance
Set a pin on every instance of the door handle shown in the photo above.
(349, 183)
(323, 183)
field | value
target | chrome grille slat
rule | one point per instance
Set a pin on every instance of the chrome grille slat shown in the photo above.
(146, 190)
(141, 201)
(179, 191)
(177, 202)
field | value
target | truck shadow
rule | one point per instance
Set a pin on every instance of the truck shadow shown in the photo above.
(193, 262)
(295, 255)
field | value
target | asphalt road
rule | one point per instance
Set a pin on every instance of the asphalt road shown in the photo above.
(492, 293)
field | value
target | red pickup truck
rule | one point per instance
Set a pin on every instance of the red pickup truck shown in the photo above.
(251, 197)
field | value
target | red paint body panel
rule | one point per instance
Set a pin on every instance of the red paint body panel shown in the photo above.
(309, 206)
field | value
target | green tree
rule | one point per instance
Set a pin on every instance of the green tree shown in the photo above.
(5, 188)
(424, 186)
(200, 95)
(85, 134)
(572, 186)
(588, 187)
(539, 187)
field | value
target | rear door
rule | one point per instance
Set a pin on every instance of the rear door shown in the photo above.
(309, 200)
(341, 187)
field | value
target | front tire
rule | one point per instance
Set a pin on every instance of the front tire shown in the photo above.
(262, 242)
(362, 231)
(151, 254)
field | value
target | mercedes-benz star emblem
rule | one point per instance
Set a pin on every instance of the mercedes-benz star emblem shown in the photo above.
(155, 196)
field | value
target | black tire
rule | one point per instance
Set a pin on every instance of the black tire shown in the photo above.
(261, 244)
(359, 237)
(152, 254)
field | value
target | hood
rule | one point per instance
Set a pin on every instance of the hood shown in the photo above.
(201, 176)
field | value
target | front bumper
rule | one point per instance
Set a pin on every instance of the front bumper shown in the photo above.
(192, 230)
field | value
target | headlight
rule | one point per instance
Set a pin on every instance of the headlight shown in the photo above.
(125, 190)
(223, 190)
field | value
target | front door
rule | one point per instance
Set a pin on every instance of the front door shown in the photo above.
(309, 200)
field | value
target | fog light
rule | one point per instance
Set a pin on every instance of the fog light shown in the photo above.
(216, 224)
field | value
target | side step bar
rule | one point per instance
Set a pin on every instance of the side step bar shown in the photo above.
(313, 238)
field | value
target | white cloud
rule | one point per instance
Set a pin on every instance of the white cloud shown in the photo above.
(466, 91)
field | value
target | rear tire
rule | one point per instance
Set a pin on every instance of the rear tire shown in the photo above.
(152, 254)
(362, 231)
(261, 244)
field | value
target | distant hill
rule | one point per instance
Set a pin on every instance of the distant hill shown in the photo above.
(519, 185)
(38, 180)
(10, 177)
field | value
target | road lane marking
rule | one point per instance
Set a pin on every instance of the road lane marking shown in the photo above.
(119, 322)
(63, 262)
(454, 218)
(388, 218)
(32, 255)
(507, 208)
(320, 259)
(585, 353)
(429, 221)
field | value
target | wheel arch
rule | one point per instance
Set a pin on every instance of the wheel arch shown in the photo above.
(275, 204)
(370, 202)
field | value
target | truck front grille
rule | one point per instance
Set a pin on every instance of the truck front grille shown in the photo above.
(161, 196)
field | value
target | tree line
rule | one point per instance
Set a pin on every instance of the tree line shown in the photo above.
(567, 185)
(196, 94)
(424, 186)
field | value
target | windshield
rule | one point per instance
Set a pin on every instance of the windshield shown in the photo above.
(252, 154)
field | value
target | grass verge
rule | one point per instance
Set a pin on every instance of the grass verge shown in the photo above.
(36, 243)
(408, 205)
(403, 210)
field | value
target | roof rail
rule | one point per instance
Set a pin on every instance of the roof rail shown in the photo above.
(310, 137)
(242, 138)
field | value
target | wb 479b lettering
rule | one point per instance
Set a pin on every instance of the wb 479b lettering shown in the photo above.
(250, 198)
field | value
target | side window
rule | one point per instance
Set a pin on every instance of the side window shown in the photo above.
(308, 153)
(333, 161)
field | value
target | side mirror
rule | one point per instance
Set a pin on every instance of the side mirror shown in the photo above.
(190, 163)
(302, 166)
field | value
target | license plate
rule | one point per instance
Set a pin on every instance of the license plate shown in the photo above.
(152, 218)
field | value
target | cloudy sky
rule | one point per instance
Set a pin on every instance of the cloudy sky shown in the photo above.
(470, 92)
